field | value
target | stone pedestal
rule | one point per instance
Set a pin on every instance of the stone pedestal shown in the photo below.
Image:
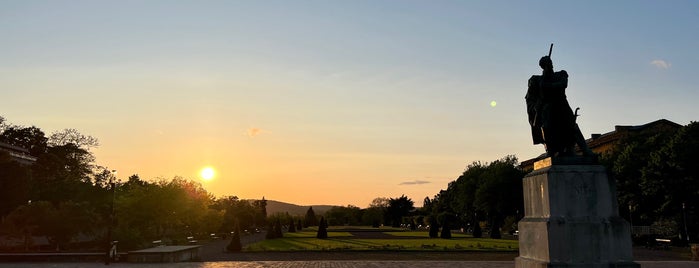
(572, 218)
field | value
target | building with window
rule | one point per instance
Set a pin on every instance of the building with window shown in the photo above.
(604, 143)
(17, 153)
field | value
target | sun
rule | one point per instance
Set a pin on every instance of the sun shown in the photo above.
(207, 173)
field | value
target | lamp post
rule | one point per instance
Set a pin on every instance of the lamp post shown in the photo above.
(111, 246)
(631, 215)
(684, 218)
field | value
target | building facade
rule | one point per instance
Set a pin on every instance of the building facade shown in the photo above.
(17, 153)
(605, 143)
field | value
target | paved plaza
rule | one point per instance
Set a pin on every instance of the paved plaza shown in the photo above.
(324, 264)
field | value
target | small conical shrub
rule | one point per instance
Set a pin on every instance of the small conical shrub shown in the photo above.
(235, 245)
(495, 233)
(477, 233)
(322, 229)
(434, 228)
(270, 231)
(278, 229)
(292, 226)
(446, 232)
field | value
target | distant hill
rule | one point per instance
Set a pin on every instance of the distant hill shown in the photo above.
(274, 207)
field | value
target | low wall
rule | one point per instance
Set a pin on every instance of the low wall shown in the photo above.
(165, 254)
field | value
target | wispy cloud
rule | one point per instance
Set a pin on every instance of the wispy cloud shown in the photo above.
(253, 132)
(415, 182)
(661, 64)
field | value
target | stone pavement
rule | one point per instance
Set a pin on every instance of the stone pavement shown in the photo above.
(325, 264)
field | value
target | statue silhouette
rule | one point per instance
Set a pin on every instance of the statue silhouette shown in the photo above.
(550, 116)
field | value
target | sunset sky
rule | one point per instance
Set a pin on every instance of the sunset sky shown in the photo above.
(334, 102)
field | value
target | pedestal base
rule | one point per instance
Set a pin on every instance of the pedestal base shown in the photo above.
(529, 263)
(571, 220)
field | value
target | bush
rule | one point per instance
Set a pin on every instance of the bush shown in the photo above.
(434, 228)
(235, 245)
(322, 229)
(477, 232)
(446, 233)
(292, 226)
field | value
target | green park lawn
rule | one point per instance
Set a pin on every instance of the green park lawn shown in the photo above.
(339, 240)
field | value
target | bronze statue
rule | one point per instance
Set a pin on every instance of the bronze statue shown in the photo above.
(550, 116)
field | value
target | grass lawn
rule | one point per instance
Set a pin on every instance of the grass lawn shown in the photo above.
(424, 234)
(411, 241)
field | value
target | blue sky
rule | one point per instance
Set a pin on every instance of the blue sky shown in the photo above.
(360, 98)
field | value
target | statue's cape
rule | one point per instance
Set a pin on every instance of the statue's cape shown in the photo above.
(533, 99)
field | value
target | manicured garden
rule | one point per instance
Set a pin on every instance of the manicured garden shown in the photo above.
(358, 239)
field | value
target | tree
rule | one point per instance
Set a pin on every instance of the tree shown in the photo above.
(270, 234)
(399, 208)
(235, 245)
(31, 138)
(434, 227)
(349, 215)
(64, 173)
(625, 164)
(322, 229)
(310, 219)
(292, 226)
(72, 136)
(28, 220)
(500, 192)
(493, 190)
(379, 206)
(67, 221)
(15, 184)
(245, 213)
(373, 216)
(164, 209)
(260, 216)
(278, 229)
(445, 219)
(672, 175)
(477, 232)
(299, 226)
(657, 177)
(59, 224)
(3, 124)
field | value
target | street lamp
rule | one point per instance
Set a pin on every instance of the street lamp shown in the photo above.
(631, 215)
(684, 218)
(111, 245)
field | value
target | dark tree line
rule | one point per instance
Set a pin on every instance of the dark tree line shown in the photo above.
(64, 194)
(657, 179)
(485, 192)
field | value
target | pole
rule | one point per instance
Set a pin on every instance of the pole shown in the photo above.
(108, 255)
(684, 218)
(550, 49)
(631, 217)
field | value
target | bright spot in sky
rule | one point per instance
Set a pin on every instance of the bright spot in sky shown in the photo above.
(493, 103)
(207, 173)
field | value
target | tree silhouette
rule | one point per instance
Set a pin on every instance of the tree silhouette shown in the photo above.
(310, 219)
(322, 229)
(399, 208)
(235, 245)
(278, 229)
(446, 231)
(271, 234)
(292, 226)
(477, 232)
(434, 227)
